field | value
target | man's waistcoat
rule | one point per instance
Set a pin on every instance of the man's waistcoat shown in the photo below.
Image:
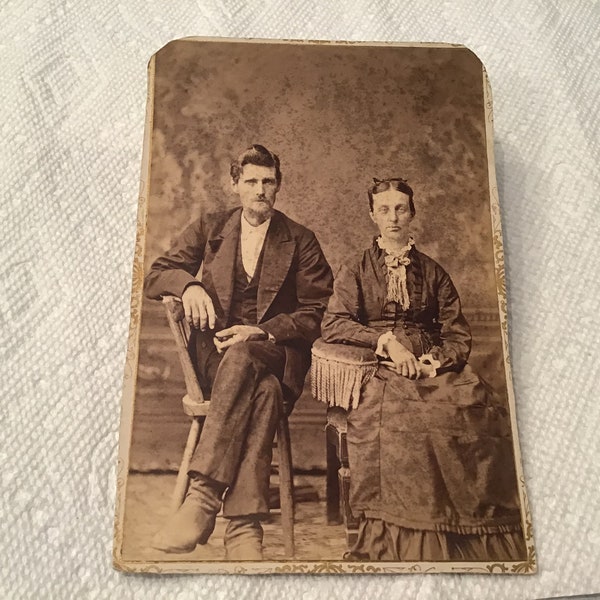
(243, 309)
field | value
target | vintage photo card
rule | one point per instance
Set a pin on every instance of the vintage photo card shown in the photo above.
(318, 377)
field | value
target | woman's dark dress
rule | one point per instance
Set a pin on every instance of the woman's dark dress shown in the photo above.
(431, 461)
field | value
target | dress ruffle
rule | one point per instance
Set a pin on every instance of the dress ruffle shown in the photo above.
(379, 540)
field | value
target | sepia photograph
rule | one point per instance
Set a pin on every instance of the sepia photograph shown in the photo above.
(318, 374)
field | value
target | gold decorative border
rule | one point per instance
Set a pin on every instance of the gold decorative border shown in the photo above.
(528, 566)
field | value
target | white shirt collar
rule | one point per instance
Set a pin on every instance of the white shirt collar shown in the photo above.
(252, 240)
(248, 229)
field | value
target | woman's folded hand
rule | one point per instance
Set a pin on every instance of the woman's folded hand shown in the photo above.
(405, 362)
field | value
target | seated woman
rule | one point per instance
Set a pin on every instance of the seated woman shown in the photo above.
(430, 448)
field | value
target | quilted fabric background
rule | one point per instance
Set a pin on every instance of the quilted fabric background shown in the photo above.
(73, 91)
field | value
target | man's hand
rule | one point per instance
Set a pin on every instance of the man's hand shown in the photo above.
(238, 333)
(198, 308)
(404, 360)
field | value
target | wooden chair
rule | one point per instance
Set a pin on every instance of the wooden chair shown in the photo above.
(196, 406)
(338, 372)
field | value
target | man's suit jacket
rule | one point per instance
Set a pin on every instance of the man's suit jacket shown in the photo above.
(294, 286)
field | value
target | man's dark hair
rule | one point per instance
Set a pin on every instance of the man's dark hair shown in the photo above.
(255, 155)
(396, 183)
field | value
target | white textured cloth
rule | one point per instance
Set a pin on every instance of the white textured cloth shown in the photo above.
(252, 240)
(73, 92)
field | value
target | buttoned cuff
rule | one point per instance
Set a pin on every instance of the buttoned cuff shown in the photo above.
(429, 365)
(388, 336)
(270, 337)
(192, 283)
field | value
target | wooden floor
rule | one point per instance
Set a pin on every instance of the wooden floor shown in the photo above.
(148, 503)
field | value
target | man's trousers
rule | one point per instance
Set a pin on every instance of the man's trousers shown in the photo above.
(236, 445)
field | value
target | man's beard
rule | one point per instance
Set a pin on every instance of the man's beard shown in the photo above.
(264, 212)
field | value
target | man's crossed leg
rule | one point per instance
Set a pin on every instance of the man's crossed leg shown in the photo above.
(232, 462)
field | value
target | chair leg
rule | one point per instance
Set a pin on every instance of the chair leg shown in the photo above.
(350, 522)
(332, 484)
(286, 485)
(181, 485)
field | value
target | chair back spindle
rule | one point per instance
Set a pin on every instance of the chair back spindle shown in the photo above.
(181, 333)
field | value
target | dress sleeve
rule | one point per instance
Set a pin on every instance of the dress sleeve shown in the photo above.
(455, 334)
(343, 322)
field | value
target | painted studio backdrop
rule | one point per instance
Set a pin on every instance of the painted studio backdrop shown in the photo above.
(337, 116)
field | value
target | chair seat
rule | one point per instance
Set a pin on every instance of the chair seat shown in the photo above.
(344, 353)
(195, 408)
(338, 372)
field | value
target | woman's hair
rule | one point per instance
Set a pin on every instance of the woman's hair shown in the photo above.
(395, 183)
(255, 155)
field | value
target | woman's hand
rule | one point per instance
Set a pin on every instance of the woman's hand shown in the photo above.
(404, 360)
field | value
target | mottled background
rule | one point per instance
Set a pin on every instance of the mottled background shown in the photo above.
(336, 116)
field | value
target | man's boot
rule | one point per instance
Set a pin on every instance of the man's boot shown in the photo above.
(194, 520)
(243, 539)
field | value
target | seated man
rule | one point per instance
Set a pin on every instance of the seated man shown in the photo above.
(265, 285)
